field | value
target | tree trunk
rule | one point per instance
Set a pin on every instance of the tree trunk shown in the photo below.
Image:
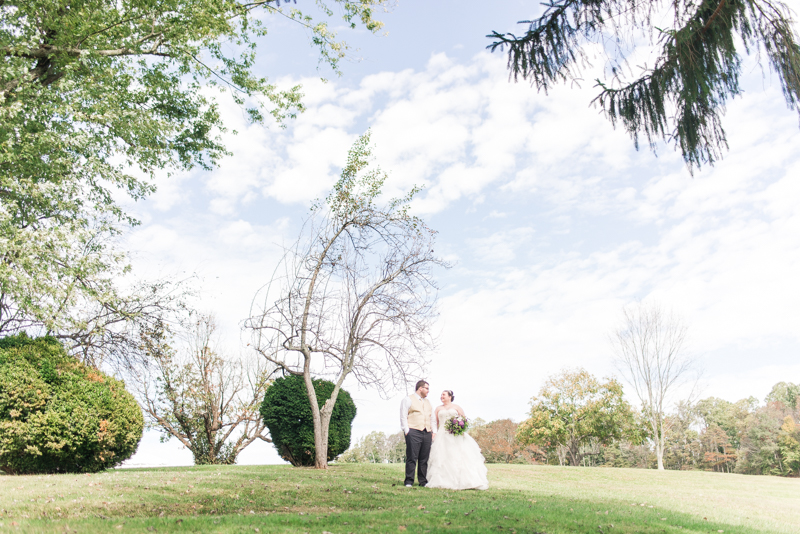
(657, 425)
(320, 435)
(321, 443)
(562, 455)
(321, 446)
(575, 456)
(322, 421)
(661, 442)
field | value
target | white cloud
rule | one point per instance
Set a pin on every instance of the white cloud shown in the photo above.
(555, 220)
(501, 247)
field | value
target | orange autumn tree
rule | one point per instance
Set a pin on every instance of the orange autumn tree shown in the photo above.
(499, 445)
(719, 454)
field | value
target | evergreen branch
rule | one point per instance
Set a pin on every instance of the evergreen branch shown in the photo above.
(697, 71)
(682, 99)
(548, 48)
(782, 48)
(713, 16)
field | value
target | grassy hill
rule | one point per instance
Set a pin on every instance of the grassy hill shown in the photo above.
(371, 498)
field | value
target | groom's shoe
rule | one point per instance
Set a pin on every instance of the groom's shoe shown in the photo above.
(408, 485)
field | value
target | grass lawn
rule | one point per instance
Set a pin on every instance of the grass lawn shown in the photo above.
(371, 498)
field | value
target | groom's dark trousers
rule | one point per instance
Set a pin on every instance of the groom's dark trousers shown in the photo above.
(418, 448)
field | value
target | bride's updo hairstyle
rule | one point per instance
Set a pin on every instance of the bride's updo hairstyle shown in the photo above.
(452, 396)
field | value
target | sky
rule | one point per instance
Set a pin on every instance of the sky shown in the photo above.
(552, 220)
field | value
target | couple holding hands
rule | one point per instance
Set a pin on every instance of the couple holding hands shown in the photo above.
(455, 461)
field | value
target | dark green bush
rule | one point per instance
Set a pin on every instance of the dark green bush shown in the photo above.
(287, 414)
(58, 415)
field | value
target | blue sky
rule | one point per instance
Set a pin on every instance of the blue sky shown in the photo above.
(552, 219)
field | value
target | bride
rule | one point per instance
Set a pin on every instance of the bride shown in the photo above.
(456, 462)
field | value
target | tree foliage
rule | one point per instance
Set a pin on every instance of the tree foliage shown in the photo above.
(789, 446)
(577, 412)
(96, 97)
(58, 415)
(718, 435)
(681, 97)
(288, 416)
(785, 393)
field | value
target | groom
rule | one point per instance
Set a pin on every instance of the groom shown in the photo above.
(419, 426)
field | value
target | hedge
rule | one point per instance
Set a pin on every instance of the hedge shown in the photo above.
(287, 413)
(58, 415)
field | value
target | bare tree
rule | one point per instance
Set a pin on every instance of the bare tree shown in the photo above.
(108, 332)
(649, 352)
(209, 402)
(353, 296)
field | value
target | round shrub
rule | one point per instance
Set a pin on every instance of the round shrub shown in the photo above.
(58, 415)
(287, 414)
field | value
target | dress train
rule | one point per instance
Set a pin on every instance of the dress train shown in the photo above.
(455, 462)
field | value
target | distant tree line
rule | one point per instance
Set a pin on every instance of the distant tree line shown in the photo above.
(377, 448)
(712, 434)
(738, 437)
(497, 440)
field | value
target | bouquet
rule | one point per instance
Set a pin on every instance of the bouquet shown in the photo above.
(457, 425)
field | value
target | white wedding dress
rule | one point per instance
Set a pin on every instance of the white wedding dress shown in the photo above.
(455, 462)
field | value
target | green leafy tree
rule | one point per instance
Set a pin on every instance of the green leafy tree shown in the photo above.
(623, 453)
(717, 435)
(723, 426)
(789, 445)
(288, 416)
(683, 448)
(58, 415)
(747, 438)
(355, 296)
(786, 393)
(576, 411)
(681, 95)
(759, 453)
(96, 97)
